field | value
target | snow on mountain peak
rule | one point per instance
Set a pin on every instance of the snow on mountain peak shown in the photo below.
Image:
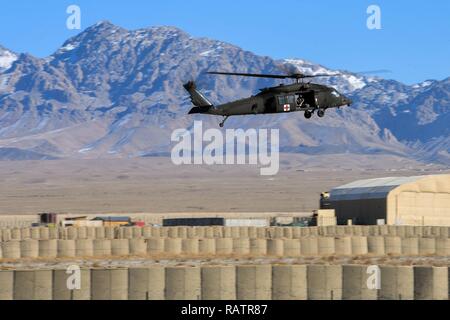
(7, 58)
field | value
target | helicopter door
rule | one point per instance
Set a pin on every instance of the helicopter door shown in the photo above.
(305, 100)
(270, 105)
(286, 103)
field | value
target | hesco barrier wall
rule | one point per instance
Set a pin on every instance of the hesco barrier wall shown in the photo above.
(207, 247)
(173, 247)
(72, 233)
(244, 282)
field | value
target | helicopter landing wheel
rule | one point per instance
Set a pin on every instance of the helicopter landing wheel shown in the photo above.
(223, 121)
(321, 113)
(308, 114)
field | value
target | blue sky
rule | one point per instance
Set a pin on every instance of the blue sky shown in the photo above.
(414, 41)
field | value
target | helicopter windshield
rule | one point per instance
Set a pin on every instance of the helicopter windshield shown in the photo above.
(335, 93)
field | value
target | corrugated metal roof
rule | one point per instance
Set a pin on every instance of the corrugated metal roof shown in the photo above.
(370, 188)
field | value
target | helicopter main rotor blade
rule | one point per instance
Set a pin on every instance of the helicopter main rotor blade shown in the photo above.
(255, 75)
(273, 76)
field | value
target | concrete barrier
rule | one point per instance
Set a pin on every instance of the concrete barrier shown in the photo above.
(82, 233)
(53, 233)
(109, 284)
(296, 233)
(35, 233)
(209, 233)
(431, 283)
(137, 246)
(287, 233)
(6, 285)
(254, 282)
(84, 248)
(410, 246)
(224, 246)
(147, 232)
(109, 233)
(190, 246)
(182, 232)
(359, 245)
(183, 283)
(309, 246)
(427, 246)
(375, 245)
(66, 248)
(241, 246)
(90, 233)
(218, 283)
(397, 283)
(343, 246)
(258, 247)
(207, 246)
(100, 233)
(324, 282)
(65, 285)
(120, 247)
(102, 247)
(252, 232)
(393, 245)
(6, 235)
(127, 233)
(33, 285)
(48, 248)
(275, 247)
(15, 234)
(137, 232)
(355, 283)
(29, 249)
(155, 246)
(72, 233)
(289, 282)
(279, 232)
(443, 247)
(326, 246)
(44, 233)
(173, 232)
(25, 233)
(291, 248)
(146, 283)
(172, 246)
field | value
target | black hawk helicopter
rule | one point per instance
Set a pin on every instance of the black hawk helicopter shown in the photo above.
(300, 96)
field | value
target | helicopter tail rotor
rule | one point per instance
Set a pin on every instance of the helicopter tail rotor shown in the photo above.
(197, 98)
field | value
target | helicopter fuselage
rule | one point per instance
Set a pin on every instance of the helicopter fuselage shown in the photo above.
(282, 99)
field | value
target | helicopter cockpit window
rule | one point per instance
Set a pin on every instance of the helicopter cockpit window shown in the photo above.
(281, 100)
(290, 99)
(335, 93)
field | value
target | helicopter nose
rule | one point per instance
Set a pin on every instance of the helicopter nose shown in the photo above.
(348, 102)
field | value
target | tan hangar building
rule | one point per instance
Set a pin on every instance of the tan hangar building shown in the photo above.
(420, 200)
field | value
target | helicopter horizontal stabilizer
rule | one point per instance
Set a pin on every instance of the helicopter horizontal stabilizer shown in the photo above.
(197, 98)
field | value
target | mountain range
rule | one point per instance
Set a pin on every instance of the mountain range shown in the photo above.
(109, 92)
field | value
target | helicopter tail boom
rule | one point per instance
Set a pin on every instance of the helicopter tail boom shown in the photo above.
(198, 99)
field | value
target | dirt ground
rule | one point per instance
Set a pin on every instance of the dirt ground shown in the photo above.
(139, 262)
(155, 185)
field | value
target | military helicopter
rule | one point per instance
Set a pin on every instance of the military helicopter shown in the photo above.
(299, 96)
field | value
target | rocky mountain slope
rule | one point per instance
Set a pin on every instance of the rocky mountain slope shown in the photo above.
(111, 92)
